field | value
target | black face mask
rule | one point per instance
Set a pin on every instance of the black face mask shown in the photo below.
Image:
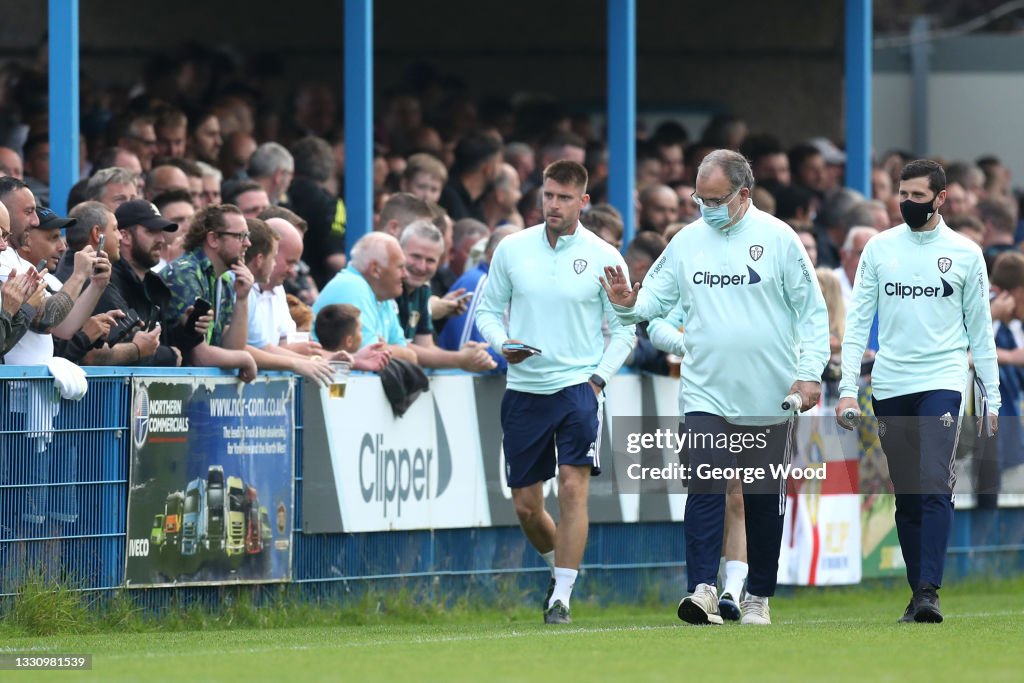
(916, 214)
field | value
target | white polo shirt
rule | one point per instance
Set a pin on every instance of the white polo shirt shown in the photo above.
(269, 318)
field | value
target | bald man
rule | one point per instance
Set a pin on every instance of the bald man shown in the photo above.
(10, 163)
(659, 208)
(270, 322)
(163, 179)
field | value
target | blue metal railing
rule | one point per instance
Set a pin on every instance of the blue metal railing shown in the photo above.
(64, 491)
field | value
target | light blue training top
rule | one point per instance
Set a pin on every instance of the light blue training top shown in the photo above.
(556, 303)
(930, 290)
(755, 318)
(379, 319)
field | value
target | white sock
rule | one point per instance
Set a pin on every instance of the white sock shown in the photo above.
(549, 557)
(564, 580)
(735, 575)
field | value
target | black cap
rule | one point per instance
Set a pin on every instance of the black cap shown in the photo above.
(141, 212)
(48, 220)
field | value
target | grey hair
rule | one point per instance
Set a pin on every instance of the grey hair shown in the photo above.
(507, 174)
(209, 171)
(856, 232)
(837, 203)
(269, 158)
(424, 229)
(89, 215)
(314, 158)
(115, 174)
(733, 164)
(371, 248)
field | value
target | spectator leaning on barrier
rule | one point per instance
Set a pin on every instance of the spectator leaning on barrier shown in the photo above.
(70, 304)
(422, 244)
(91, 219)
(215, 247)
(371, 282)
(339, 329)
(462, 328)
(139, 292)
(1007, 313)
(270, 320)
(19, 291)
(21, 207)
(266, 318)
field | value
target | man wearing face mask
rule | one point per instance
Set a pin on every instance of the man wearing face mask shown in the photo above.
(930, 289)
(757, 331)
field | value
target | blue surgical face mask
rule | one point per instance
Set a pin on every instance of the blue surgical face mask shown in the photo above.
(719, 216)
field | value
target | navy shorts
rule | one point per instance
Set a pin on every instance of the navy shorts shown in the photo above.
(542, 431)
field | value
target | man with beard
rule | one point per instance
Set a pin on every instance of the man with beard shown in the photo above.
(422, 244)
(551, 413)
(215, 246)
(929, 288)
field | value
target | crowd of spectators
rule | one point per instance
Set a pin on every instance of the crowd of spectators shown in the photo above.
(208, 226)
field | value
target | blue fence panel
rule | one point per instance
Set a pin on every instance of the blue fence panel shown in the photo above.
(63, 505)
(63, 482)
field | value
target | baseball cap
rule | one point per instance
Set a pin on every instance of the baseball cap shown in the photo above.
(141, 212)
(828, 149)
(48, 220)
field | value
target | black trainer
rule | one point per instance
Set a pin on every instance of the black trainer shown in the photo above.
(908, 614)
(926, 606)
(547, 598)
(558, 613)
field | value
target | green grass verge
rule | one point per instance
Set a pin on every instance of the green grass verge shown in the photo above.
(838, 634)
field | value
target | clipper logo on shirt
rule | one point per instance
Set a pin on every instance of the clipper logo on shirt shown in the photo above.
(725, 279)
(905, 291)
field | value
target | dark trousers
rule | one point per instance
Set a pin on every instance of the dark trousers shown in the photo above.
(919, 433)
(764, 502)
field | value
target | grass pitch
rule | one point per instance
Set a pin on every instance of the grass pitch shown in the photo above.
(840, 634)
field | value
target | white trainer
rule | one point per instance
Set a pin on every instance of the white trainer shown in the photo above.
(700, 607)
(755, 611)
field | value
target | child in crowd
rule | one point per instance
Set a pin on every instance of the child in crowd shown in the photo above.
(339, 329)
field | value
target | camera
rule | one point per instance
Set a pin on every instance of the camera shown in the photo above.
(125, 327)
